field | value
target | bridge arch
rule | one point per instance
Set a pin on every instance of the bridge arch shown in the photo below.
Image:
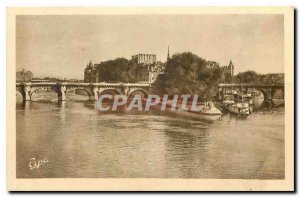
(88, 91)
(107, 90)
(268, 91)
(263, 91)
(35, 90)
(20, 90)
(131, 92)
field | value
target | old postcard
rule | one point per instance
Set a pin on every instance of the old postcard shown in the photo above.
(150, 99)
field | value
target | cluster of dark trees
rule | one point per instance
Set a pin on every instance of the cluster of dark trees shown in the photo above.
(121, 70)
(254, 78)
(186, 73)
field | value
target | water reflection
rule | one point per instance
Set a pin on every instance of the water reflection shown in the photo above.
(61, 105)
(191, 147)
(25, 105)
(79, 141)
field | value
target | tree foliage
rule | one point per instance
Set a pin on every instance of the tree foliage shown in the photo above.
(250, 77)
(187, 73)
(121, 70)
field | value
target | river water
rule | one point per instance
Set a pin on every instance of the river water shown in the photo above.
(78, 141)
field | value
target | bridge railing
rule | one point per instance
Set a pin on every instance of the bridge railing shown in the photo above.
(84, 84)
(249, 85)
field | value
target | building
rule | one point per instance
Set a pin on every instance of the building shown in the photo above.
(144, 58)
(151, 69)
(90, 74)
(155, 70)
(229, 68)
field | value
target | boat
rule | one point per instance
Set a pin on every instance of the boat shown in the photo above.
(227, 100)
(240, 109)
(205, 112)
(247, 98)
(210, 109)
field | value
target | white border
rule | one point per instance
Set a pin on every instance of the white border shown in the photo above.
(5, 3)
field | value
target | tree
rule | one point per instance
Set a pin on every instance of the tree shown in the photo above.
(247, 77)
(180, 75)
(120, 70)
(187, 73)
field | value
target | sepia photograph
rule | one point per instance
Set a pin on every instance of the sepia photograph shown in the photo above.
(138, 95)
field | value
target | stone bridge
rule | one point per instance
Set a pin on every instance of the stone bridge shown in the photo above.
(267, 90)
(92, 89)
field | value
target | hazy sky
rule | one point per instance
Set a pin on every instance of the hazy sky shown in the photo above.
(61, 46)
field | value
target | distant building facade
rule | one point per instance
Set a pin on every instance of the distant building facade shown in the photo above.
(229, 68)
(151, 69)
(155, 70)
(144, 58)
(90, 73)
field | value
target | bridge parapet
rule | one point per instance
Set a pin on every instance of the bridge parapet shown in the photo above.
(93, 89)
(250, 85)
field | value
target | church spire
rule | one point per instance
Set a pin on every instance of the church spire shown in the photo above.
(231, 67)
(90, 63)
(168, 57)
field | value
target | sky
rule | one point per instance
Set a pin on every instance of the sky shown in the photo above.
(61, 46)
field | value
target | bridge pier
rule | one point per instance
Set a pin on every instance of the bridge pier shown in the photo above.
(269, 99)
(26, 93)
(95, 95)
(61, 93)
(269, 103)
(26, 97)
